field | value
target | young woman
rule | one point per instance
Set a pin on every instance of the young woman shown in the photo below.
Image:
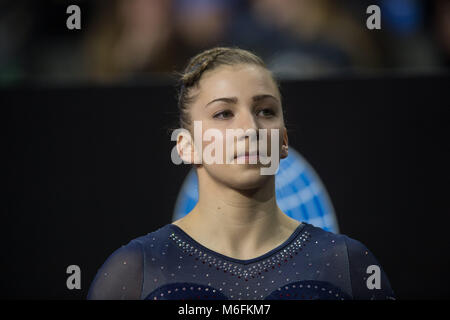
(236, 243)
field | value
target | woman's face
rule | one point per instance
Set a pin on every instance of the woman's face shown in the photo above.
(243, 97)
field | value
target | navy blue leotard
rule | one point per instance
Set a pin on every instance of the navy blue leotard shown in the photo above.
(311, 264)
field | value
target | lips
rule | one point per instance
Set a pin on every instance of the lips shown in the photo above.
(246, 154)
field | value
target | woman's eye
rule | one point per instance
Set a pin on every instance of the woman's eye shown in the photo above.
(223, 115)
(266, 112)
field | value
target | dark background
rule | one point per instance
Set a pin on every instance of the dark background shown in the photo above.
(87, 169)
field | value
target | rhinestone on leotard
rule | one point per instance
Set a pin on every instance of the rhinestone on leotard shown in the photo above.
(242, 273)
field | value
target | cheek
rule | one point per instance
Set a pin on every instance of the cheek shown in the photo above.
(215, 145)
(275, 133)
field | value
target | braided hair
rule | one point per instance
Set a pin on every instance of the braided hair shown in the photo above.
(209, 60)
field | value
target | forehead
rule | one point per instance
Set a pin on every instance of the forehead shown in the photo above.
(242, 81)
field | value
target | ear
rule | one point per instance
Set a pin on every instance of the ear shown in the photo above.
(284, 145)
(185, 147)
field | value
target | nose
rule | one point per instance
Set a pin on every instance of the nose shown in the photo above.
(249, 124)
(247, 120)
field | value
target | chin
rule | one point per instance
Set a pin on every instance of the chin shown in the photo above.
(246, 178)
(238, 177)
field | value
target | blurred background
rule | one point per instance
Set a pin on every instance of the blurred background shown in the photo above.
(125, 40)
(85, 119)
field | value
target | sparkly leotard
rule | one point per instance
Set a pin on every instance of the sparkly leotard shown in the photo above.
(311, 264)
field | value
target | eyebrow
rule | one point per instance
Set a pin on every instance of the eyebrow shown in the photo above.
(234, 100)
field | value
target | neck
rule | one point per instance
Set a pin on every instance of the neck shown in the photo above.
(239, 223)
